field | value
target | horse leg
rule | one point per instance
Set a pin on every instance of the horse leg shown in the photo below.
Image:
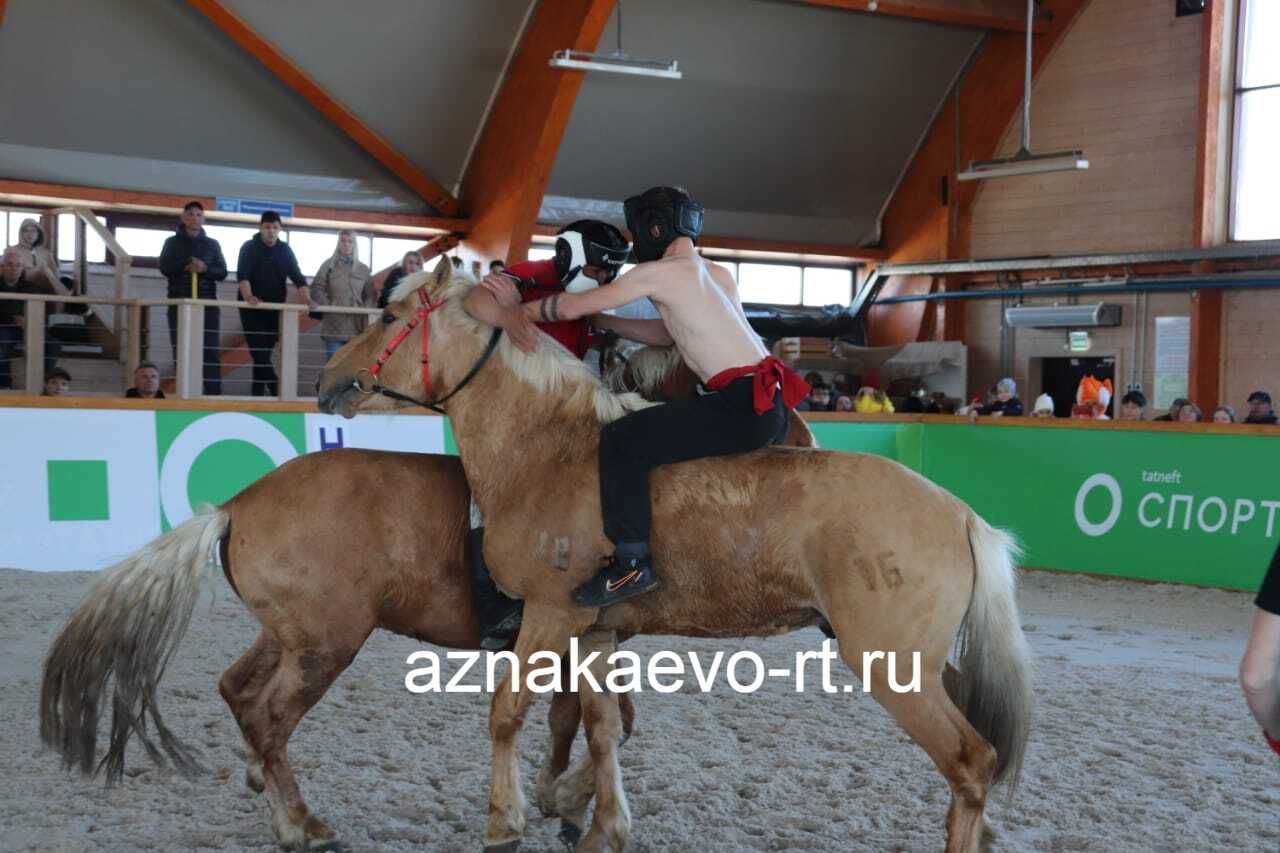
(240, 686)
(611, 823)
(559, 787)
(563, 720)
(299, 681)
(933, 721)
(507, 805)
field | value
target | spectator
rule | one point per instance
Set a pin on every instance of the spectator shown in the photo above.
(818, 400)
(1260, 411)
(265, 267)
(146, 382)
(844, 403)
(1043, 407)
(814, 378)
(1189, 413)
(1133, 406)
(1006, 403)
(1082, 411)
(497, 266)
(1173, 410)
(342, 280)
(1224, 415)
(13, 279)
(872, 401)
(57, 383)
(410, 264)
(191, 251)
(38, 263)
(914, 404)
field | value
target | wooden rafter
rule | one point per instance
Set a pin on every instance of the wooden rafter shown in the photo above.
(33, 192)
(508, 174)
(341, 117)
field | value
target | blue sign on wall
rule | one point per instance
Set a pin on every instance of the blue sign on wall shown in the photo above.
(254, 207)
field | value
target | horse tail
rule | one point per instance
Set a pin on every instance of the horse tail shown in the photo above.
(994, 685)
(129, 624)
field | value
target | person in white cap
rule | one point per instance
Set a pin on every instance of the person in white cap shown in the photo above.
(1043, 407)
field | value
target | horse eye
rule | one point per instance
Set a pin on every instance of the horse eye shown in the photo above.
(388, 318)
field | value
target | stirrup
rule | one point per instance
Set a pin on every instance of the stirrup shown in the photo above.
(501, 633)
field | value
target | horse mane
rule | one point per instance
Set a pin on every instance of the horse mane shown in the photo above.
(650, 367)
(552, 370)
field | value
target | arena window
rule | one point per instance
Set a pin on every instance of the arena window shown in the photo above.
(1257, 169)
(772, 284)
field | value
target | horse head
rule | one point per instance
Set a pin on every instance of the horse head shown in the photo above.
(404, 356)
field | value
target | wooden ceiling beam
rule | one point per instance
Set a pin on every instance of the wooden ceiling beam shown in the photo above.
(65, 195)
(346, 121)
(1006, 15)
(508, 174)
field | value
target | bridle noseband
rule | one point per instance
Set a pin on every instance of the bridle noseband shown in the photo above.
(375, 385)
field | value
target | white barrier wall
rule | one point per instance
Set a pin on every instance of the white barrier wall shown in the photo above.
(81, 488)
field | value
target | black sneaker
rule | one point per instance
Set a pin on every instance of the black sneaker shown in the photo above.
(501, 631)
(620, 580)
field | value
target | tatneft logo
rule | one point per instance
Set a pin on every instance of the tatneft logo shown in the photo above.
(1208, 514)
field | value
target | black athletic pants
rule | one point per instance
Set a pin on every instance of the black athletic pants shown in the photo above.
(261, 333)
(716, 424)
(1269, 593)
(212, 371)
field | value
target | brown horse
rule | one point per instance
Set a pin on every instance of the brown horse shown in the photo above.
(318, 590)
(423, 592)
(744, 545)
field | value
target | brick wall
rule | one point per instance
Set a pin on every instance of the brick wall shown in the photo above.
(1124, 86)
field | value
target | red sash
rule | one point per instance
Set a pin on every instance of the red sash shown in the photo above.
(770, 374)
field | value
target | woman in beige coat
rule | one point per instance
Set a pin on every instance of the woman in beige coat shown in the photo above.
(38, 263)
(342, 281)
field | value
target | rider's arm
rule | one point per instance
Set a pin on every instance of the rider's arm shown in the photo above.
(634, 285)
(482, 305)
(652, 332)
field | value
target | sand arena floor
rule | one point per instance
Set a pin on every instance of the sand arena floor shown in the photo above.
(1141, 742)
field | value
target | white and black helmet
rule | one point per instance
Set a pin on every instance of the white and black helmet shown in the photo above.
(589, 242)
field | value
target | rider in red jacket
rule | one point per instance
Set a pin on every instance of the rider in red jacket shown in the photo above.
(589, 253)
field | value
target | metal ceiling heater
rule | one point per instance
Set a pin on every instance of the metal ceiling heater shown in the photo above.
(1024, 162)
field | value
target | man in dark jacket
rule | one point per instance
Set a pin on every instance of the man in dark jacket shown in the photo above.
(189, 251)
(265, 268)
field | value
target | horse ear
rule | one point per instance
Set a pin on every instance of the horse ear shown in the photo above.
(440, 276)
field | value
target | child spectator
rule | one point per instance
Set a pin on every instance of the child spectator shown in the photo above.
(819, 399)
(1177, 404)
(1043, 407)
(872, 401)
(1224, 415)
(1005, 404)
(1133, 406)
(57, 383)
(1189, 413)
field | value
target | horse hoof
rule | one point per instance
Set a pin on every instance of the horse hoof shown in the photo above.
(570, 835)
(506, 847)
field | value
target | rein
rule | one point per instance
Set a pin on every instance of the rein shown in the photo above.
(375, 383)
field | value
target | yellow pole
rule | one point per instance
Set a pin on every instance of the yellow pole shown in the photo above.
(194, 290)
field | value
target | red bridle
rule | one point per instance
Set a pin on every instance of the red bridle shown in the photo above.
(417, 320)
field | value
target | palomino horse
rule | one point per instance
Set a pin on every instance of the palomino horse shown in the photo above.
(317, 600)
(743, 545)
(319, 589)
